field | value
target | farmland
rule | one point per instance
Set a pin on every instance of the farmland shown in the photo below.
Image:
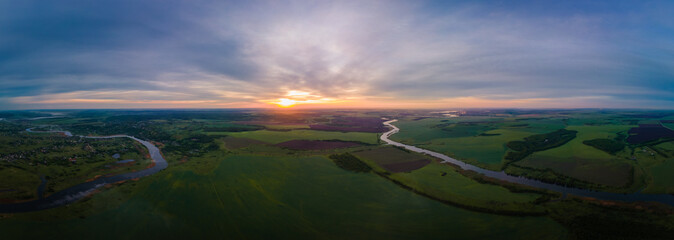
(649, 132)
(393, 159)
(259, 197)
(484, 148)
(587, 163)
(275, 137)
(316, 144)
(260, 174)
(599, 155)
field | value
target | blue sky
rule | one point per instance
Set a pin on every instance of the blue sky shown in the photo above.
(443, 54)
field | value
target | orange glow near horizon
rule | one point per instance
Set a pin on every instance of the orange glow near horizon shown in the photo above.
(285, 103)
(291, 99)
(295, 97)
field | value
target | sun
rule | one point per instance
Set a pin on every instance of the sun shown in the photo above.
(296, 97)
(285, 103)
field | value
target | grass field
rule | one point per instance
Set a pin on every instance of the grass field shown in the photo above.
(287, 127)
(227, 179)
(585, 162)
(668, 125)
(236, 143)
(662, 179)
(443, 182)
(658, 167)
(275, 137)
(486, 151)
(262, 197)
(17, 184)
(485, 146)
(393, 159)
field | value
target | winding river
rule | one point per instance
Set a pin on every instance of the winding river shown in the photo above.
(625, 197)
(79, 191)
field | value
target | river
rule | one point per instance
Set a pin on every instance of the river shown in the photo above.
(74, 193)
(79, 191)
(625, 197)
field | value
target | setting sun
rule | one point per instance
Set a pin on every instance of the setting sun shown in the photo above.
(285, 103)
(295, 97)
(534, 119)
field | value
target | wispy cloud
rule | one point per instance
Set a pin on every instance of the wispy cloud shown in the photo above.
(377, 53)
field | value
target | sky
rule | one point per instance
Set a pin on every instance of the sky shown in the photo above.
(336, 54)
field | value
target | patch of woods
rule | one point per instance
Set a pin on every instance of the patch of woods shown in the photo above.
(143, 130)
(170, 115)
(9, 128)
(607, 145)
(150, 124)
(649, 114)
(550, 176)
(22, 114)
(194, 145)
(539, 142)
(349, 162)
(468, 129)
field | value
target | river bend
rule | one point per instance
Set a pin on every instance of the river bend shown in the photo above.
(74, 193)
(625, 197)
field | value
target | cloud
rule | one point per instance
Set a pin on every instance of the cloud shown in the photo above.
(214, 54)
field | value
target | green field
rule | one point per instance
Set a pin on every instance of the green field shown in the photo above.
(662, 179)
(286, 127)
(227, 179)
(482, 141)
(388, 155)
(18, 184)
(262, 197)
(443, 182)
(658, 168)
(669, 125)
(486, 151)
(584, 162)
(275, 137)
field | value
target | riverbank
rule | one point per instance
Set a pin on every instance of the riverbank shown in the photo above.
(632, 197)
(77, 192)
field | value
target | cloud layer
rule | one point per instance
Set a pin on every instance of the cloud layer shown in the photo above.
(119, 54)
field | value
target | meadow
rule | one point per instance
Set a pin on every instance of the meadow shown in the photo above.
(274, 137)
(255, 174)
(584, 162)
(484, 147)
(492, 141)
(260, 197)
